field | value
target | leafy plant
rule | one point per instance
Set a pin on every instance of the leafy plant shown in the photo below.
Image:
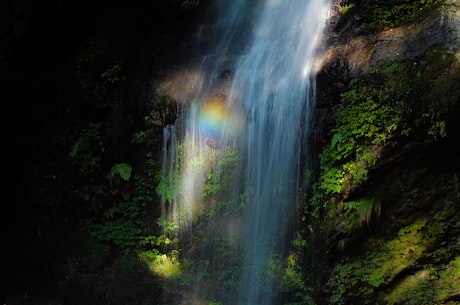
(113, 73)
(438, 129)
(292, 278)
(362, 123)
(122, 169)
(345, 8)
(378, 15)
(166, 186)
(360, 212)
(87, 149)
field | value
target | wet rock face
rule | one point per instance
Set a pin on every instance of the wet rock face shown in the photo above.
(349, 53)
(409, 254)
(440, 26)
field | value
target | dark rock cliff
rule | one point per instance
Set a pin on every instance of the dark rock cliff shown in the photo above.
(392, 234)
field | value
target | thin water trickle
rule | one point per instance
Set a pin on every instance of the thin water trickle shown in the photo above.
(235, 156)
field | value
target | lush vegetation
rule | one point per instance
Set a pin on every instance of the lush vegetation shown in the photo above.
(385, 226)
(379, 15)
(82, 157)
(379, 110)
(84, 135)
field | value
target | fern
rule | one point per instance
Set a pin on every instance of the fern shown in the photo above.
(122, 169)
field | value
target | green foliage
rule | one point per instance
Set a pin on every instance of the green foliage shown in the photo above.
(392, 101)
(99, 71)
(345, 8)
(223, 176)
(427, 286)
(167, 226)
(119, 216)
(216, 183)
(379, 108)
(378, 15)
(360, 212)
(116, 197)
(399, 260)
(347, 280)
(139, 137)
(113, 73)
(212, 185)
(332, 179)
(361, 118)
(292, 279)
(122, 232)
(166, 266)
(455, 264)
(364, 121)
(165, 188)
(87, 149)
(360, 276)
(122, 169)
(376, 278)
(120, 224)
(299, 241)
(155, 241)
(438, 129)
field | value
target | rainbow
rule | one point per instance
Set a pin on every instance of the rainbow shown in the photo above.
(216, 119)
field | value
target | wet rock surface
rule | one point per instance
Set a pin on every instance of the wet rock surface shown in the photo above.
(409, 254)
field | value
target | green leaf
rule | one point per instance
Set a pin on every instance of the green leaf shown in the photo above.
(122, 169)
(74, 151)
(335, 139)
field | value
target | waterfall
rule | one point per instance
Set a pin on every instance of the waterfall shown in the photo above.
(234, 157)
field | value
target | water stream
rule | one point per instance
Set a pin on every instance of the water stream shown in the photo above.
(235, 158)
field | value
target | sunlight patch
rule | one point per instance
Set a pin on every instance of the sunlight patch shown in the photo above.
(165, 266)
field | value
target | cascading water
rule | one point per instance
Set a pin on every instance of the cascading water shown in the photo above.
(234, 157)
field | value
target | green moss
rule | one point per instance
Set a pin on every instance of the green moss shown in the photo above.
(166, 266)
(359, 276)
(377, 278)
(413, 257)
(345, 8)
(412, 290)
(392, 267)
(383, 107)
(292, 277)
(363, 123)
(378, 15)
(455, 264)
(427, 286)
(357, 213)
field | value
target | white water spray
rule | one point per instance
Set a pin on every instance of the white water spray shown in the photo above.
(237, 157)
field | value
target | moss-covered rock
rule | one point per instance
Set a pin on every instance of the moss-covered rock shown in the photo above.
(386, 191)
